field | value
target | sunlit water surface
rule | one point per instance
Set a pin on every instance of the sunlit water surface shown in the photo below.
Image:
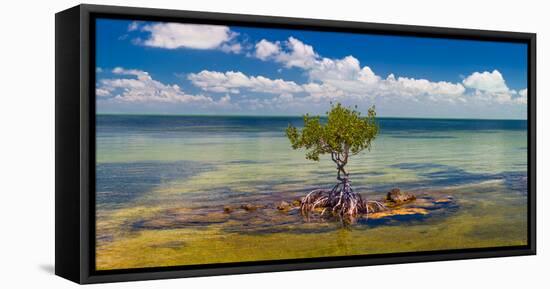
(163, 181)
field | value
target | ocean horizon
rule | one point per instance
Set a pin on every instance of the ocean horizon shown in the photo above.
(295, 116)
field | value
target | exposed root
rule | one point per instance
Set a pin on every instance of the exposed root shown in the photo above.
(310, 199)
(341, 202)
(375, 206)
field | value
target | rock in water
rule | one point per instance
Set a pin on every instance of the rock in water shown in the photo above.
(399, 212)
(283, 206)
(249, 207)
(398, 197)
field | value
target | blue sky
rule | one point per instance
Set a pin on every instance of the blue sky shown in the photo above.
(172, 68)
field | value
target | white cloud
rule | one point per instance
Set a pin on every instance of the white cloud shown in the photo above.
(363, 85)
(522, 97)
(317, 92)
(286, 97)
(295, 54)
(137, 86)
(299, 55)
(193, 36)
(265, 49)
(490, 87)
(231, 48)
(523, 93)
(340, 78)
(102, 92)
(486, 81)
(346, 76)
(411, 87)
(232, 81)
(133, 26)
(347, 68)
(328, 79)
(504, 97)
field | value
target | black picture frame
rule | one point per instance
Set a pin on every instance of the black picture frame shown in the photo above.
(75, 143)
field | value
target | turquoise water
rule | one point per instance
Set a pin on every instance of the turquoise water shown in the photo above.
(156, 163)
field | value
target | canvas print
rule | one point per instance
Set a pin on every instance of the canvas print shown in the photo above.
(219, 144)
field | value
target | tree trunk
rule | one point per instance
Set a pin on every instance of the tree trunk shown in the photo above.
(340, 163)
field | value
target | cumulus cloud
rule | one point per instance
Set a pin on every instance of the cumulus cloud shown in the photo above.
(265, 49)
(192, 36)
(437, 91)
(486, 81)
(522, 98)
(293, 53)
(347, 68)
(491, 87)
(299, 55)
(137, 86)
(327, 79)
(231, 48)
(523, 92)
(102, 92)
(359, 87)
(318, 92)
(337, 78)
(232, 81)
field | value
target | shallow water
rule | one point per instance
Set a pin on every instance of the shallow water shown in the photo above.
(163, 181)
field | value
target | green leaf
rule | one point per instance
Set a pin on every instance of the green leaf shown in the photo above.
(345, 132)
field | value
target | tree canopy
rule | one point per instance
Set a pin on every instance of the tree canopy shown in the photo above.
(346, 132)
